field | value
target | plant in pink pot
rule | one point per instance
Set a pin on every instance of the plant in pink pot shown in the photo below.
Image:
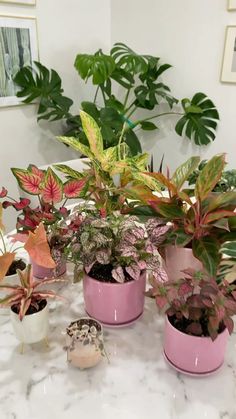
(198, 320)
(113, 255)
(200, 219)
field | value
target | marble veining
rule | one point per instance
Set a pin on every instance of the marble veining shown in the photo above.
(135, 384)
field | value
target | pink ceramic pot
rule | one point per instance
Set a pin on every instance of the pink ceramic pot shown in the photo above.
(177, 259)
(114, 304)
(41, 272)
(193, 354)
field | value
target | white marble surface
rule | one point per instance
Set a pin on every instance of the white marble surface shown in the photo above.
(136, 384)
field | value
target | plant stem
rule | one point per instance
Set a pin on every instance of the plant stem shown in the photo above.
(3, 242)
(160, 114)
(120, 140)
(96, 93)
(126, 97)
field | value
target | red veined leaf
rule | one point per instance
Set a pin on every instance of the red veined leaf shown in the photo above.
(24, 202)
(217, 215)
(11, 298)
(44, 294)
(73, 188)
(5, 262)
(52, 187)
(185, 289)
(3, 192)
(161, 301)
(27, 181)
(164, 181)
(36, 171)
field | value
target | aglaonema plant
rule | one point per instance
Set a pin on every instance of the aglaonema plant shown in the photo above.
(201, 222)
(140, 88)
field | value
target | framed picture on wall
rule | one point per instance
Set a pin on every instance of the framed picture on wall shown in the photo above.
(231, 4)
(228, 73)
(25, 2)
(18, 48)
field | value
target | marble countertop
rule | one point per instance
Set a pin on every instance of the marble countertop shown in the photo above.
(136, 384)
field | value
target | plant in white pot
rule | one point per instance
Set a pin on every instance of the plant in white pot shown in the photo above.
(29, 310)
(200, 223)
(112, 255)
(84, 343)
(198, 320)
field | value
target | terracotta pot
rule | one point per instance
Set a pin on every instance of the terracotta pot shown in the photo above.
(194, 354)
(41, 272)
(33, 328)
(84, 356)
(177, 259)
(114, 304)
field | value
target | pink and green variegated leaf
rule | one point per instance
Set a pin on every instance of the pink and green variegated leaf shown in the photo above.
(118, 274)
(24, 306)
(73, 188)
(93, 134)
(134, 271)
(44, 294)
(217, 215)
(52, 188)
(28, 182)
(10, 299)
(160, 275)
(209, 176)
(161, 301)
(38, 172)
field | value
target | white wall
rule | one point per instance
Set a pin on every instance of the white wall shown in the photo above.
(189, 34)
(64, 29)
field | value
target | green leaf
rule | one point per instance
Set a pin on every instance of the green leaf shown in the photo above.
(133, 142)
(98, 66)
(129, 60)
(91, 109)
(168, 210)
(206, 249)
(221, 200)
(209, 176)
(184, 171)
(93, 134)
(76, 145)
(200, 120)
(229, 249)
(68, 171)
(148, 126)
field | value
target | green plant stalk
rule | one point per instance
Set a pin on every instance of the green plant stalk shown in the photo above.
(120, 139)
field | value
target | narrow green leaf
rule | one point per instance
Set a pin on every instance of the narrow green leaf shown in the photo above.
(184, 171)
(209, 176)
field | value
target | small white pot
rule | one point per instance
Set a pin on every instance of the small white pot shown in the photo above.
(83, 356)
(33, 328)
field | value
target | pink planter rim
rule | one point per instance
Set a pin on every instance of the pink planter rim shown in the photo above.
(191, 336)
(111, 284)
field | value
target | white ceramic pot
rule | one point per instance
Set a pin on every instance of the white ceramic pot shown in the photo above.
(83, 356)
(33, 328)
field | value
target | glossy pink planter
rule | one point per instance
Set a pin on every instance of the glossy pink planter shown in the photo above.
(114, 304)
(193, 354)
(41, 272)
(177, 259)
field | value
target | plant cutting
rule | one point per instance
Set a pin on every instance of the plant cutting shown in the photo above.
(112, 256)
(139, 78)
(52, 196)
(28, 302)
(201, 223)
(198, 320)
(84, 343)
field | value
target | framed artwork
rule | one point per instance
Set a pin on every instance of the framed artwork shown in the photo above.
(25, 2)
(18, 48)
(231, 4)
(228, 73)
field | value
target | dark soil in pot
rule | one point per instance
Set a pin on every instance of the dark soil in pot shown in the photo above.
(183, 324)
(103, 273)
(16, 264)
(79, 323)
(31, 309)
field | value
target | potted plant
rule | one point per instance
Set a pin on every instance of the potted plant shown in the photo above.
(52, 196)
(141, 87)
(200, 223)
(112, 256)
(198, 320)
(84, 343)
(28, 302)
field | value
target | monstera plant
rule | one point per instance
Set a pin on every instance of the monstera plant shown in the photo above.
(140, 78)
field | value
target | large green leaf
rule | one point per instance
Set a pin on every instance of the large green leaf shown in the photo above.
(209, 176)
(93, 134)
(229, 249)
(200, 119)
(182, 172)
(221, 200)
(129, 60)
(206, 249)
(133, 142)
(99, 66)
(40, 83)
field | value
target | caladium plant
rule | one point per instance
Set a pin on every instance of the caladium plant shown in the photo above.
(201, 222)
(28, 293)
(116, 248)
(196, 304)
